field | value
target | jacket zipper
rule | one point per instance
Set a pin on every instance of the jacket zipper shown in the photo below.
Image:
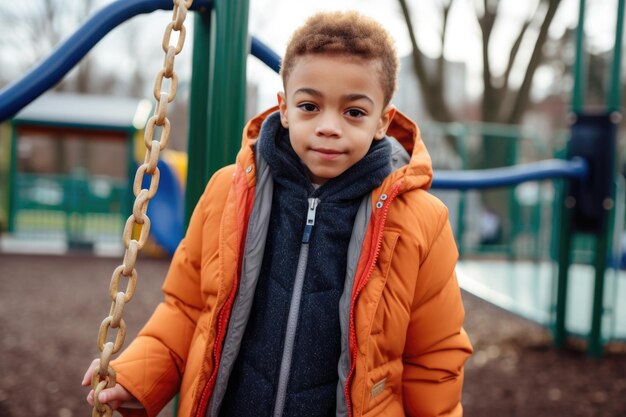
(360, 285)
(222, 321)
(294, 310)
(217, 348)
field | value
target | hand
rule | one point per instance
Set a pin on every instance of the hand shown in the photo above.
(114, 396)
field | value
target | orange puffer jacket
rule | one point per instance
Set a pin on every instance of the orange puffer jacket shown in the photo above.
(404, 345)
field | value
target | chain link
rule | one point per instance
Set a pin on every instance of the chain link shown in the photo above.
(149, 132)
(104, 376)
(158, 83)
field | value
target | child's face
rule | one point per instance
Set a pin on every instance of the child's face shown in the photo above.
(333, 108)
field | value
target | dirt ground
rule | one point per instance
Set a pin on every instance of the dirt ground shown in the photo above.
(51, 307)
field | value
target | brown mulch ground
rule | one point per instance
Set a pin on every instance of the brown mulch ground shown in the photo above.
(51, 307)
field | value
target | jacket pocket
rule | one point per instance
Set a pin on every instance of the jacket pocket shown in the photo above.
(384, 391)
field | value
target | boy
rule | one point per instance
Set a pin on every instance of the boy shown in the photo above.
(317, 274)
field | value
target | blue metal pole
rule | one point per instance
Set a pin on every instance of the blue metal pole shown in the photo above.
(265, 54)
(51, 70)
(508, 176)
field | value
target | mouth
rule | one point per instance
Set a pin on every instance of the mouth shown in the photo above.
(327, 151)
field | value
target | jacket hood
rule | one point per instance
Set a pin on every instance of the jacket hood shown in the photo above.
(411, 161)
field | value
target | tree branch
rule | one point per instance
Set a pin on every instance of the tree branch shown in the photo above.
(433, 99)
(418, 61)
(441, 61)
(440, 106)
(486, 23)
(518, 41)
(522, 98)
(503, 89)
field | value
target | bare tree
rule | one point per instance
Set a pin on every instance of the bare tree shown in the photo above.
(500, 102)
(544, 14)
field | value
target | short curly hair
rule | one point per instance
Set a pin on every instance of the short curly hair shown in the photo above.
(345, 33)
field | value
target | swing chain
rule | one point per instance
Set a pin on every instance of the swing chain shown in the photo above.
(104, 376)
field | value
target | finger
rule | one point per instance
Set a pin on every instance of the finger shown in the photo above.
(114, 404)
(106, 396)
(114, 396)
(87, 377)
(110, 397)
(90, 398)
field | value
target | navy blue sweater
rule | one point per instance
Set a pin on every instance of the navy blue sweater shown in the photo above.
(312, 382)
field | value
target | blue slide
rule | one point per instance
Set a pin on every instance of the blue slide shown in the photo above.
(166, 209)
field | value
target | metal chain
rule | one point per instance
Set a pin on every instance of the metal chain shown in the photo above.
(104, 375)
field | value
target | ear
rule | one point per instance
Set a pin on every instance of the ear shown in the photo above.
(385, 120)
(282, 107)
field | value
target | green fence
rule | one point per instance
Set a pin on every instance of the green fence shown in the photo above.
(526, 213)
(78, 208)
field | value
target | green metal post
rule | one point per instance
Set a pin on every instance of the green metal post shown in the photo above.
(5, 174)
(595, 345)
(129, 197)
(578, 95)
(535, 225)
(12, 181)
(218, 93)
(565, 237)
(461, 138)
(613, 104)
(197, 170)
(227, 95)
(614, 100)
(603, 247)
(461, 223)
(514, 208)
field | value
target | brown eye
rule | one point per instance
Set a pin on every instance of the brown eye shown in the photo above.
(355, 113)
(308, 107)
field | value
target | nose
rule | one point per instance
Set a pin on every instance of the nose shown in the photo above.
(328, 125)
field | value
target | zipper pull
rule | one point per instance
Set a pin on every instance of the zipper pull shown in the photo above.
(310, 219)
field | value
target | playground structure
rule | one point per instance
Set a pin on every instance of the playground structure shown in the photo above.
(585, 203)
(57, 196)
(68, 203)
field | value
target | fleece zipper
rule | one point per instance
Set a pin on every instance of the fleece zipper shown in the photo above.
(294, 310)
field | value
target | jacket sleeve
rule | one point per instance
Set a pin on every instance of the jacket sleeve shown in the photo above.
(436, 345)
(152, 365)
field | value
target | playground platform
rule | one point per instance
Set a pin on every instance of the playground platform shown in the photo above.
(51, 245)
(526, 288)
